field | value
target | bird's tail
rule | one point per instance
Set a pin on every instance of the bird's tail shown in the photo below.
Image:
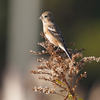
(69, 56)
(66, 51)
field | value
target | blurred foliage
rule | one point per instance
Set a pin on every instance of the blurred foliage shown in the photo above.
(3, 34)
(79, 21)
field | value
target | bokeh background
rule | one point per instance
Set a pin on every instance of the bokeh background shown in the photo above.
(79, 21)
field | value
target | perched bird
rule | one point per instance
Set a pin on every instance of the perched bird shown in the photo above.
(52, 32)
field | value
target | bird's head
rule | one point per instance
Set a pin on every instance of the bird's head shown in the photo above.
(47, 17)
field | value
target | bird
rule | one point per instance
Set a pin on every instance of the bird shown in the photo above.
(52, 32)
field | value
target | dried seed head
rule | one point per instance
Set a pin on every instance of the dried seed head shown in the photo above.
(57, 68)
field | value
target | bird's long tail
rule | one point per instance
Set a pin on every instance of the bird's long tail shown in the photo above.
(67, 53)
(63, 48)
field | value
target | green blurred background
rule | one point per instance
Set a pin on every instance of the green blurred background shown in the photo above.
(3, 35)
(79, 21)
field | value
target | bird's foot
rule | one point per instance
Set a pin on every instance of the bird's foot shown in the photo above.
(57, 49)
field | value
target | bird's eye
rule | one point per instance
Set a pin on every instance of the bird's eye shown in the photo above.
(45, 16)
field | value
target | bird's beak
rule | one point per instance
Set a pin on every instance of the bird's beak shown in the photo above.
(41, 17)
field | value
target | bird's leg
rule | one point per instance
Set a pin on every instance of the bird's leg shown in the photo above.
(57, 49)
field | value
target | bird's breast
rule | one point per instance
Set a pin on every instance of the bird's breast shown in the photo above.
(51, 38)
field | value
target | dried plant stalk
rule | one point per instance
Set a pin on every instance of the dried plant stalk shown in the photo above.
(58, 69)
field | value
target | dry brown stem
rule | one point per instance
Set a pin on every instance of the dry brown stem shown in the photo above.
(58, 69)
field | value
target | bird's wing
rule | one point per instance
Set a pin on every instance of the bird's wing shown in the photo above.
(54, 30)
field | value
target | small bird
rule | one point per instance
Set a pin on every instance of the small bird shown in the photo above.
(52, 32)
